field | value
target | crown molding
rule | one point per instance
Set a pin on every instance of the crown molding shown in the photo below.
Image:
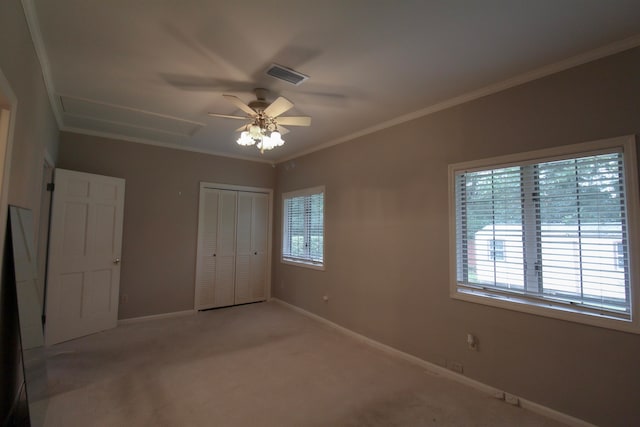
(36, 36)
(538, 73)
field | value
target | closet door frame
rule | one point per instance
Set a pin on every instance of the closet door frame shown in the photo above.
(229, 187)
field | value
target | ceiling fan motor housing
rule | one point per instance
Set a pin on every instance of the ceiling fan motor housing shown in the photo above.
(261, 102)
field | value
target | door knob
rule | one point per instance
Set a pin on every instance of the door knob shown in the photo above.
(116, 261)
(255, 253)
(214, 254)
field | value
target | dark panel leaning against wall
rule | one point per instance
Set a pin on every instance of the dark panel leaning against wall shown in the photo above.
(160, 213)
(387, 242)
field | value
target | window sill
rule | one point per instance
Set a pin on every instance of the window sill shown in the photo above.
(303, 264)
(551, 310)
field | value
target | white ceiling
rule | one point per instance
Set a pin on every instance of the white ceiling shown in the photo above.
(150, 70)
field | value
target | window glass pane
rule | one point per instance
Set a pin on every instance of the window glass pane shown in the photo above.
(492, 212)
(582, 222)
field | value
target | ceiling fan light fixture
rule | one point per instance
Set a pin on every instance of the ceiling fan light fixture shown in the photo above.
(245, 139)
(276, 139)
(264, 117)
(255, 131)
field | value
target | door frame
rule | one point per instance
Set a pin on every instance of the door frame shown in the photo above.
(230, 187)
(8, 110)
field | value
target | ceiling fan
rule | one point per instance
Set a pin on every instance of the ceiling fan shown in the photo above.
(264, 127)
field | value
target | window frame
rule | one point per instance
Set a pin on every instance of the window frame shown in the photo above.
(543, 307)
(306, 263)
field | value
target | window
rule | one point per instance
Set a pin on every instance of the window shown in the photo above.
(303, 228)
(551, 232)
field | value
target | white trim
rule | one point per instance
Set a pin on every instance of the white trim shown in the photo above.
(48, 158)
(131, 320)
(540, 307)
(33, 23)
(529, 76)
(439, 370)
(303, 192)
(304, 264)
(118, 137)
(232, 187)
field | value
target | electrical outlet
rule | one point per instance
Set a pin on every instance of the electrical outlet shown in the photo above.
(512, 399)
(455, 367)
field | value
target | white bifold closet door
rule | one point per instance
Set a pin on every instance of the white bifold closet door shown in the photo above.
(251, 240)
(233, 246)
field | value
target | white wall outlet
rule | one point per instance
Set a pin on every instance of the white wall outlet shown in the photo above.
(325, 298)
(512, 399)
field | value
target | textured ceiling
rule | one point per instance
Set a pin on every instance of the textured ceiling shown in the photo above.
(150, 70)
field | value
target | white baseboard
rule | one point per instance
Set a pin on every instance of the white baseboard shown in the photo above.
(439, 370)
(155, 317)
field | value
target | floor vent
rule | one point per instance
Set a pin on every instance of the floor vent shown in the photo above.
(286, 74)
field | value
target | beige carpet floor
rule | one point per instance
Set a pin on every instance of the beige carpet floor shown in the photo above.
(255, 365)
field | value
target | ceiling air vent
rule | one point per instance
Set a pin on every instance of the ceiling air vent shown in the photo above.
(286, 74)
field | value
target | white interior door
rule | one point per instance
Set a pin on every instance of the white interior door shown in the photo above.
(252, 242)
(215, 273)
(84, 257)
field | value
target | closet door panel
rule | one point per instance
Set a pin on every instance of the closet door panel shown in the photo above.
(226, 249)
(207, 247)
(244, 254)
(259, 245)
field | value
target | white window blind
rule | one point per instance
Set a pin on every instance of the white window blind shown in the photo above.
(553, 232)
(303, 228)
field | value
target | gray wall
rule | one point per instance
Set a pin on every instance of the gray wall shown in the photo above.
(160, 212)
(35, 128)
(387, 242)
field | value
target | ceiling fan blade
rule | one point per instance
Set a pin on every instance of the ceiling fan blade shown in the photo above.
(241, 128)
(241, 105)
(283, 130)
(278, 107)
(294, 121)
(227, 116)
